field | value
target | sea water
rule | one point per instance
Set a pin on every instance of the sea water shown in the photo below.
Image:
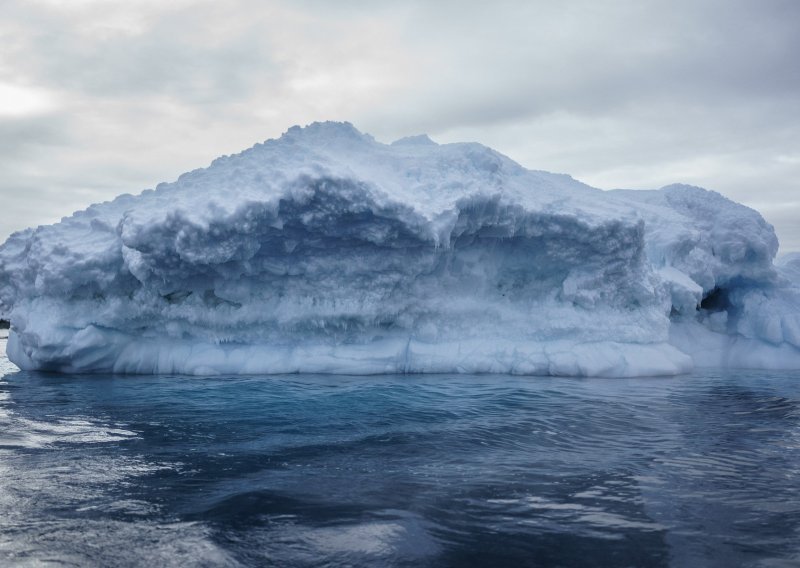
(440, 470)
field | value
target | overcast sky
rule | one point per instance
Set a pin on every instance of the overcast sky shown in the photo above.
(102, 97)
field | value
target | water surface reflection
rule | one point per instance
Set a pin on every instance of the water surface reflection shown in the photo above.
(399, 470)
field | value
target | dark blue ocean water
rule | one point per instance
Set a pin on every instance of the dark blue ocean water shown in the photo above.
(699, 470)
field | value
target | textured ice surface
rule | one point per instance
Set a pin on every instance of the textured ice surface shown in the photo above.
(326, 251)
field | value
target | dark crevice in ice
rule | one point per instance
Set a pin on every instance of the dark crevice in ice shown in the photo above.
(716, 300)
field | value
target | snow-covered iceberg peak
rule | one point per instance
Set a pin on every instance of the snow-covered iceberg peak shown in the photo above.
(326, 251)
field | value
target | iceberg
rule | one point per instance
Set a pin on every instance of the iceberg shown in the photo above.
(325, 251)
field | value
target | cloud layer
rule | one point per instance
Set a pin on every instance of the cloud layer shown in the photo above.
(101, 97)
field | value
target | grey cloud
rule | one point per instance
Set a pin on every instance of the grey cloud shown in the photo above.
(530, 59)
(20, 137)
(174, 56)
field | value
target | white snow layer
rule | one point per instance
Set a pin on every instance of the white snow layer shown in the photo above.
(326, 251)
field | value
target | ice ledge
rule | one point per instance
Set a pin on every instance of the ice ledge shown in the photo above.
(122, 354)
(714, 349)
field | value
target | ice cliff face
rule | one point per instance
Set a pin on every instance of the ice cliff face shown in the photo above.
(326, 251)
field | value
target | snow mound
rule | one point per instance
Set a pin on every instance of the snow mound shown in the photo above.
(326, 251)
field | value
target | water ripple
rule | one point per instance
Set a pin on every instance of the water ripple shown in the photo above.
(399, 471)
